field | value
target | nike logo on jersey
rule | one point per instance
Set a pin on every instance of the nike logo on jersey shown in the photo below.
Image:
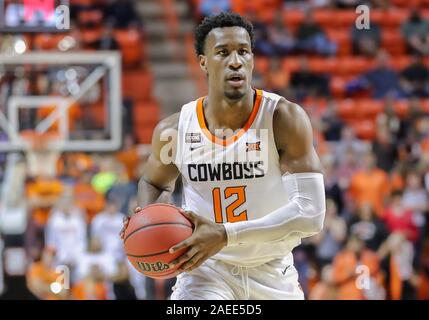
(191, 148)
(284, 271)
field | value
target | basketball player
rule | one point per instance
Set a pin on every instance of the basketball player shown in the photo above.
(247, 216)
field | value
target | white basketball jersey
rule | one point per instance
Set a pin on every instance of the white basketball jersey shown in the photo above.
(233, 179)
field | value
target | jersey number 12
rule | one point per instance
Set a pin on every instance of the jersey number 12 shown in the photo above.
(231, 216)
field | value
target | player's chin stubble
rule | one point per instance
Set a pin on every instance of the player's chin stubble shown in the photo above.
(234, 95)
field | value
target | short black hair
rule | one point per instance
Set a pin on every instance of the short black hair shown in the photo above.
(223, 19)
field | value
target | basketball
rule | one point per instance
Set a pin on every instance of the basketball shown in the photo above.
(150, 234)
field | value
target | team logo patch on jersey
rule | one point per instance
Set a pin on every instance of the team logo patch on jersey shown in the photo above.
(253, 146)
(192, 137)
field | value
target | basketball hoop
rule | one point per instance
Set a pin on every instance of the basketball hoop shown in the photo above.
(42, 151)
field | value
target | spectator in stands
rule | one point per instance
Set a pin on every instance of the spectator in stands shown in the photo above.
(305, 83)
(345, 265)
(86, 197)
(106, 226)
(66, 232)
(400, 219)
(107, 40)
(41, 274)
(325, 289)
(129, 157)
(347, 4)
(382, 81)
(398, 254)
(122, 13)
(330, 240)
(370, 185)
(279, 36)
(416, 32)
(103, 180)
(92, 287)
(415, 78)
(332, 187)
(276, 79)
(416, 199)
(389, 120)
(331, 123)
(347, 168)
(385, 151)
(347, 142)
(42, 194)
(213, 7)
(312, 39)
(368, 227)
(96, 256)
(123, 190)
(122, 287)
(366, 41)
(263, 46)
(423, 284)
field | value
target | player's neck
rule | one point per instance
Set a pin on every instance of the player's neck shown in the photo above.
(220, 112)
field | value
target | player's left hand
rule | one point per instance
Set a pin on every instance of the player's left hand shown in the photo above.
(207, 239)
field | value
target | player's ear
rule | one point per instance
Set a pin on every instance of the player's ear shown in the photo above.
(203, 63)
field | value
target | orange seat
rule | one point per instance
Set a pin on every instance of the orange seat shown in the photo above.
(370, 108)
(144, 133)
(347, 110)
(406, 3)
(345, 18)
(131, 45)
(90, 16)
(354, 65)
(137, 85)
(365, 129)
(325, 18)
(426, 62)
(146, 113)
(46, 41)
(377, 15)
(261, 64)
(338, 86)
(400, 62)
(342, 39)
(90, 35)
(401, 108)
(290, 64)
(97, 113)
(323, 65)
(425, 105)
(394, 18)
(393, 42)
(293, 18)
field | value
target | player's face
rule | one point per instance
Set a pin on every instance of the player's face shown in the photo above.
(228, 61)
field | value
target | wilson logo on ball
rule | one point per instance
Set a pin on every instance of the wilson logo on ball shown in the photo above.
(152, 267)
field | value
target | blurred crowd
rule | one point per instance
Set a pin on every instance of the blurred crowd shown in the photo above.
(375, 153)
(75, 220)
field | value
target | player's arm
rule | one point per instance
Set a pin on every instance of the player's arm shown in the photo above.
(160, 172)
(302, 179)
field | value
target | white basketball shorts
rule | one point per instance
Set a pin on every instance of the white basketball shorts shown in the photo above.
(217, 280)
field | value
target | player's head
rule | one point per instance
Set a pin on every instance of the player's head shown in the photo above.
(224, 46)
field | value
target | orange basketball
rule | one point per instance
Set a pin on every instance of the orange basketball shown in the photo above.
(150, 234)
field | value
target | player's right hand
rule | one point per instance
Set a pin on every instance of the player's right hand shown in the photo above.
(126, 220)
